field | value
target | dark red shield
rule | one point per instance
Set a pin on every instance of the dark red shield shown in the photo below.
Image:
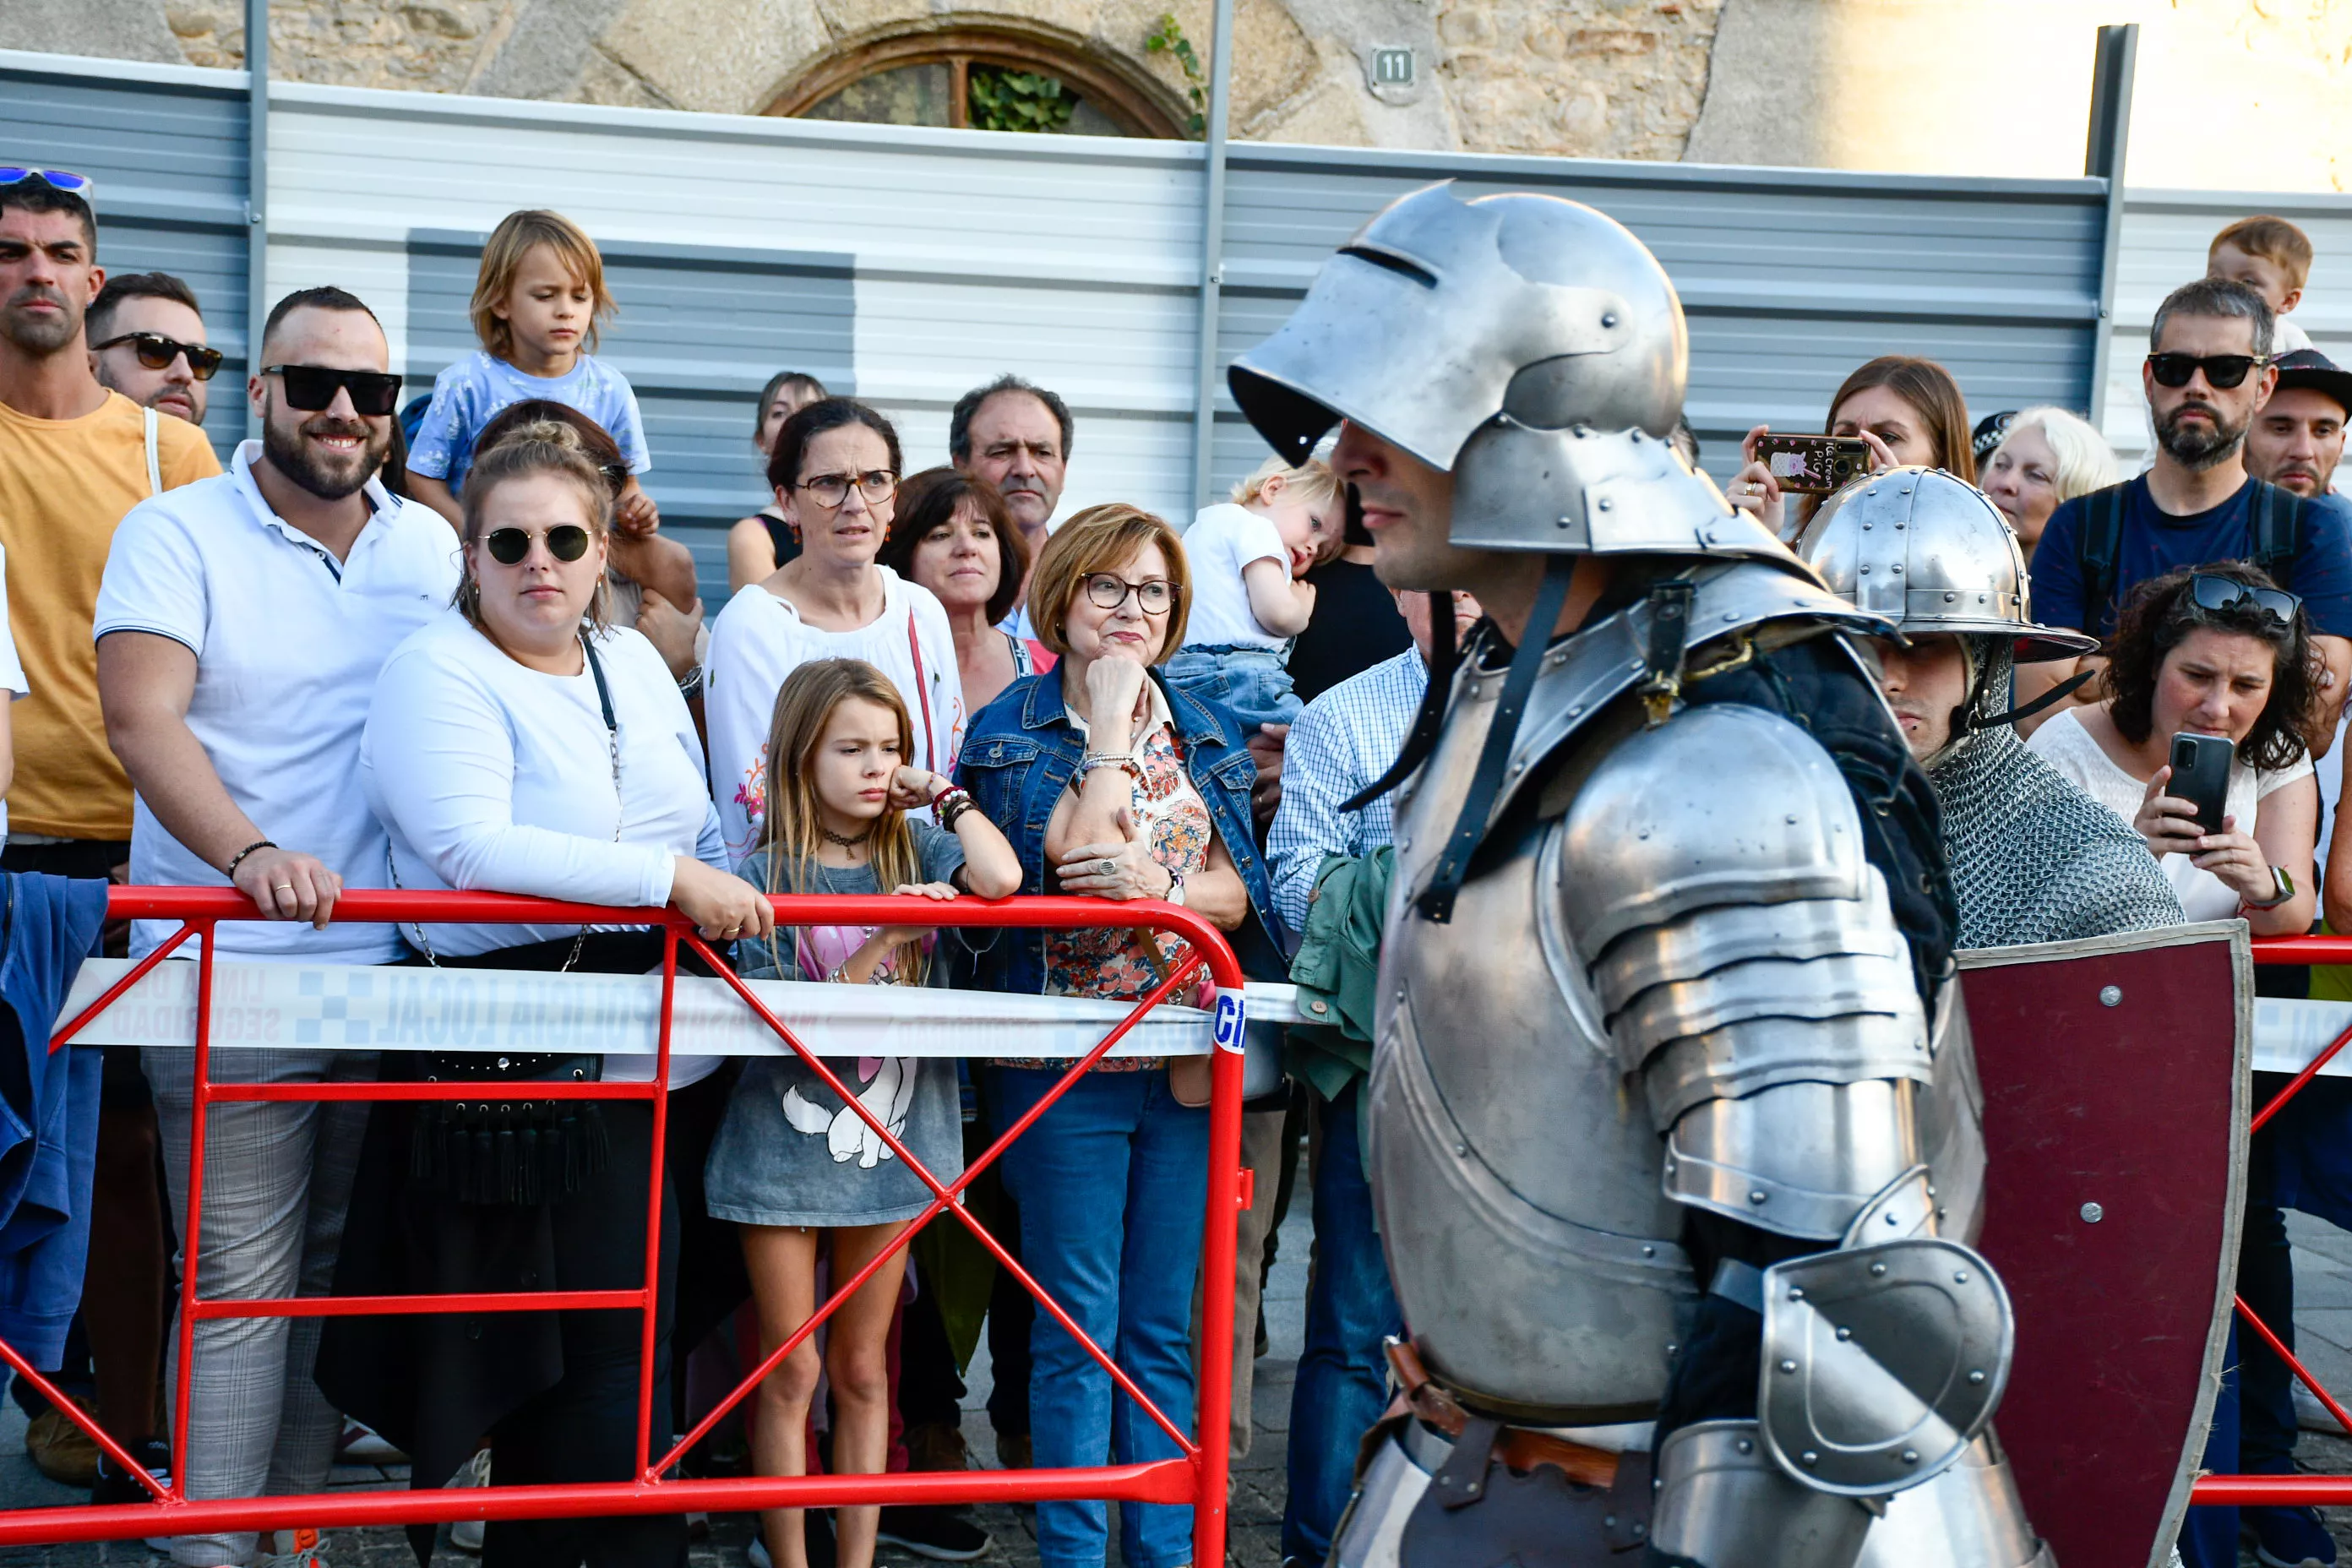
(2116, 1083)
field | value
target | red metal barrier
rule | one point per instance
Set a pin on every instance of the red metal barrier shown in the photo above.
(2249, 1491)
(1198, 1475)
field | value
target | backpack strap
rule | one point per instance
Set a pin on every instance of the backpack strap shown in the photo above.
(2278, 528)
(2097, 548)
(155, 461)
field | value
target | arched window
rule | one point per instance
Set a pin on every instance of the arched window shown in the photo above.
(992, 77)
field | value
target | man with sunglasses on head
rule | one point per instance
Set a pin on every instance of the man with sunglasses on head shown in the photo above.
(2207, 376)
(240, 630)
(146, 337)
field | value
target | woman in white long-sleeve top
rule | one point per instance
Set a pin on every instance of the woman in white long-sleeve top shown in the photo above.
(518, 744)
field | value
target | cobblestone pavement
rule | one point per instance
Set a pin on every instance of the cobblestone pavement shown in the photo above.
(1256, 1519)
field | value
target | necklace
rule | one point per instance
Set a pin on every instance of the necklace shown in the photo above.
(844, 843)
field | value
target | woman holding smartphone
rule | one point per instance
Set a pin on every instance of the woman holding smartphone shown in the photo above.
(2216, 650)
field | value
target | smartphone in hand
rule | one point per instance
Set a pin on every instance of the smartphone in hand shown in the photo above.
(1813, 465)
(2201, 773)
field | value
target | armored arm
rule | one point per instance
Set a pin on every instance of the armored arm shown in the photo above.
(1755, 987)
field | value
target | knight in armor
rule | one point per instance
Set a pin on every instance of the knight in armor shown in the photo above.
(1673, 1143)
(2033, 858)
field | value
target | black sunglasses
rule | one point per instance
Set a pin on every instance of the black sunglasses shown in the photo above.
(508, 546)
(2221, 370)
(311, 387)
(2211, 593)
(157, 351)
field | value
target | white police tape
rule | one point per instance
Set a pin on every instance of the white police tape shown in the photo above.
(2288, 1034)
(1232, 1020)
(356, 1007)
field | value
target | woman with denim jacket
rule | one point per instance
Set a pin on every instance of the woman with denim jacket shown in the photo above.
(1110, 784)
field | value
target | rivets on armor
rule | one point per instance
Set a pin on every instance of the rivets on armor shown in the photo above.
(1567, 522)
(1607, 1521)
(1877, 1270)
(1640, 1530)
(1809, 1458)
(1602, 505)
(1866, 527)
(1788, 1366)
(2093, 1214)
(1844, 1332)
(1866, 571)
(1672, 1349)
(1949, 597)
(1609, 320)
(2111, 996)
(1796, 1292)
(1670, 1167)
(1462, 1151)
(1649, 1251)
(1896, 569)
(1575, 709)
(1910, 1456)
(1745, 1445)
(1757, 1196)
(1793, 819)
(1890, 1219)
(1977, 1378)
(1898, 522)
(1637, 666)
(1960, 1276)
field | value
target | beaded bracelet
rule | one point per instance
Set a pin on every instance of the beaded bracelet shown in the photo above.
(238, 858)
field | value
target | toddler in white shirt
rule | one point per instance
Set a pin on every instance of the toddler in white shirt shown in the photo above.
(1246, 557)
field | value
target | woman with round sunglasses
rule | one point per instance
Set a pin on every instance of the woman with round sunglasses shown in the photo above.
(2219, 650)
(520, 744)
(1113, 785)
(835, 471)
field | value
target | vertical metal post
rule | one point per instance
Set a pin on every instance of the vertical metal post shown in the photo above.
(1213, 253)
(257, 190)
(2103, 158)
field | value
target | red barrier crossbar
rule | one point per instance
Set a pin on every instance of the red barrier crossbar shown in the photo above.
(1198, 1475)
(2254, 1491)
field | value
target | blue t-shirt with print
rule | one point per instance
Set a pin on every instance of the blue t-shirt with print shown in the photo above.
(2154, 542)
(469, 395)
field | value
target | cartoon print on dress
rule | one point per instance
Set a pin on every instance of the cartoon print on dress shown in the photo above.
(885, 1085)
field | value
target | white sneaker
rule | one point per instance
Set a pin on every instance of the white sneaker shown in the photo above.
(2312, 1415)
(466, 1535)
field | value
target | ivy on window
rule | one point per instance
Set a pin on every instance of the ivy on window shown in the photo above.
(1167, 37)
(1002, 100)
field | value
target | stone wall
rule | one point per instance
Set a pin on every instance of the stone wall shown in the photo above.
(1619, 79)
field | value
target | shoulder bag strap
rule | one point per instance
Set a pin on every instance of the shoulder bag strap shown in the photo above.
(923, 694)
(2276, 531)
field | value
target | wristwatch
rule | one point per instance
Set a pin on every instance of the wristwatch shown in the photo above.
(1175, 893)
(2282, 889)
(690, 685)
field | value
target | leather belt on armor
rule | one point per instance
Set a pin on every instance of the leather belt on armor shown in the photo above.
(1520, 1448)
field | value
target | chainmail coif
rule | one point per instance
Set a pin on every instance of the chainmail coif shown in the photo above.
(2034, 857)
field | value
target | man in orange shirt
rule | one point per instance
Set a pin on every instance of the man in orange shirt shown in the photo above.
(74, 458)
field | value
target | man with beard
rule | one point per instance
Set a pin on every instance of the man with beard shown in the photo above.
(74, 457)
(240, 629)
(1017, 437)
(2296, 442)
(2033, 858)
(2207, 374)
(147, 341)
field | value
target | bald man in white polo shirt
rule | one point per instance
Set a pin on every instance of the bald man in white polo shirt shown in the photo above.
(240, 629)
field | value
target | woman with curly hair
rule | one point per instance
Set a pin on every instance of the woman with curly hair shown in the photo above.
(2218, 650)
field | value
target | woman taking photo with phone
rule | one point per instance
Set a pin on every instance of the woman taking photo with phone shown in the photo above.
(1905, 409)
(2217, 650)
(521, 744)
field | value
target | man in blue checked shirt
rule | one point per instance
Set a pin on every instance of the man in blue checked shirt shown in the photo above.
(1340, 742)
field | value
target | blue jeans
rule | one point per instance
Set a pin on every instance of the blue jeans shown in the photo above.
(1112, 1183)
(1342, 1382)
(1251, 683)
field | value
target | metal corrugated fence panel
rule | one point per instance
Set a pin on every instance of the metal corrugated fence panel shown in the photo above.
(2166, 235)
(1790, 278)
(1065, 260)
(166, 146)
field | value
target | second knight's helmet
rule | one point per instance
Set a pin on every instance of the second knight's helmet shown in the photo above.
(1528, 345)
(1932, 555)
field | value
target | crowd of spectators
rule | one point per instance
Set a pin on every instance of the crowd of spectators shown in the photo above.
(487, 667)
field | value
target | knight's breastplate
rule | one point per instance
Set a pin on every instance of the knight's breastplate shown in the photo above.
(1516, 1170)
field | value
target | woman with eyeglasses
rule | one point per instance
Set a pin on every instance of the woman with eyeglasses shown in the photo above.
(835, 471)
(1113, 785)
(520, 744)
(2215, 650)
